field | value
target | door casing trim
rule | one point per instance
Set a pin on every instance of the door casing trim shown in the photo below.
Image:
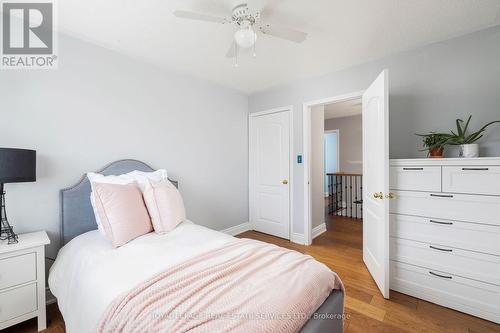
(306, 122)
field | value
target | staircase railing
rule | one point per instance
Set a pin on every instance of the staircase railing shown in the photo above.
(345, 194)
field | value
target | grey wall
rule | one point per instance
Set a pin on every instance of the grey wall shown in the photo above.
(429, 88)
(100, 106)
(350, 142)
(317, 165)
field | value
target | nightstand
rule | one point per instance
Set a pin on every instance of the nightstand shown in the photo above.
(22, 280)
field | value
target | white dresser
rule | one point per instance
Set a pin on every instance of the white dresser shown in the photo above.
(22, 280)
(445, 232)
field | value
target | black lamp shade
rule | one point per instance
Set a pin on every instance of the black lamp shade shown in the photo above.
(17, 165)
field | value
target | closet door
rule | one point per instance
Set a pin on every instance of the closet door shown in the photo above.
(270, 173)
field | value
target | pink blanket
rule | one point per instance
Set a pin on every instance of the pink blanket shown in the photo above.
(243, 286)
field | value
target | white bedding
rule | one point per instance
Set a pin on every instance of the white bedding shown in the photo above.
(89, 273)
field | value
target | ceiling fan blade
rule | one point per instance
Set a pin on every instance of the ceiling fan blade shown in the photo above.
(199, 17)
(231, 53)
(283, 33)
(265, 7)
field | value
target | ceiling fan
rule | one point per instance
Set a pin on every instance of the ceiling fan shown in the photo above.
(248, 23)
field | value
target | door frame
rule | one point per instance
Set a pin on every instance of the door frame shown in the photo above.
(338, 148)
(306, 121)
(251, 189)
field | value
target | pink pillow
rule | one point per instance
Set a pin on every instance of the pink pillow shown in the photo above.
(165, 205)
(122, 212)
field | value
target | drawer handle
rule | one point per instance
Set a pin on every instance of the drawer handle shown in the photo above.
(415, 169)
(441, 276)
(440, 249)
(441, 222)
(475, 169)
(442, 195)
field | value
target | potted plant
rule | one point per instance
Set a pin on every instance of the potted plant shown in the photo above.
(467, 142)
(434, 143)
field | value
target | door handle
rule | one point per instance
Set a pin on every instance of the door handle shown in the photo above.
(284, 182)
(378, 195)
(390, 196)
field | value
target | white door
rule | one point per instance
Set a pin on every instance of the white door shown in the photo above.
(269, 173)
(376, 181)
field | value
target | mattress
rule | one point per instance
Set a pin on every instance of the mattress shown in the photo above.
(89, 273)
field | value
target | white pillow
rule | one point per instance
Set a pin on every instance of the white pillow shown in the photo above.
(100, 178)
(140, 177)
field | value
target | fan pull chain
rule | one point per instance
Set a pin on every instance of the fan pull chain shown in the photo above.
(254, 45)
(236, 57)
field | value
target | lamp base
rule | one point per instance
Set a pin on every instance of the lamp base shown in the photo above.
(6, 230)
(7, 233)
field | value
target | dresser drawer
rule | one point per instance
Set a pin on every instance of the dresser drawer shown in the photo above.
(466, 295)
(17, 302)
(419, 178)
(17, 270)
(468, 264)
(474, 179)
(460, 207)
(463, 235)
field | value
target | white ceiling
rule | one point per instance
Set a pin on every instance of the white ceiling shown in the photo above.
(343, 109)
(342, 33)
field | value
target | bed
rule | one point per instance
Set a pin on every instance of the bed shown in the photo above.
(84, 275)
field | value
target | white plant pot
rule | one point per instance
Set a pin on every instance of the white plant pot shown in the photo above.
(470, 150)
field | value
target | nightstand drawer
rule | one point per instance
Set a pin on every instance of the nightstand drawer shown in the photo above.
(17, 270)
(17, 302)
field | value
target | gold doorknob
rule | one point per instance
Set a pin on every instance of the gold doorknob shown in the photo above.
(285, 182)
(390, 195)
(378, 195)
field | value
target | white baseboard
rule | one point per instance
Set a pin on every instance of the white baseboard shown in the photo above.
(294, 237)
(318, 230)
(237, 229)
(297, 238)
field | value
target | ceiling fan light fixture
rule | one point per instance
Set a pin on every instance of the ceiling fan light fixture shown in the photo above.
(245, 20)
(245, 37)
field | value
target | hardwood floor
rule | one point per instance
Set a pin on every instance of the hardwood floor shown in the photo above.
(55, 323)
(340, 248)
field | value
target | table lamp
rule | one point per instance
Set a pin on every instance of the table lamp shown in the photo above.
(16, 166)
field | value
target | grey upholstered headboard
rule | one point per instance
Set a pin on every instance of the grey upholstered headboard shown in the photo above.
(76, 213)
